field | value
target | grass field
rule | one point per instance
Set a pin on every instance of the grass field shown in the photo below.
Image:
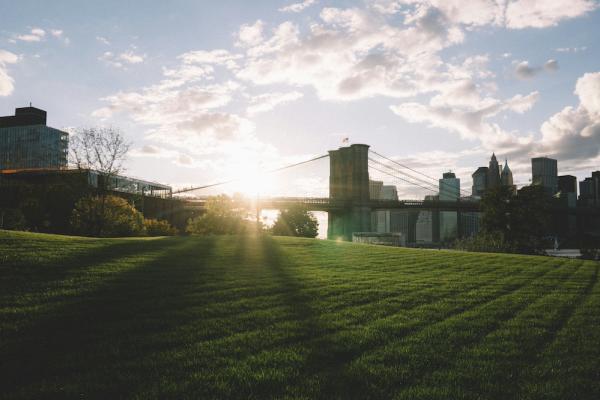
(263, 317)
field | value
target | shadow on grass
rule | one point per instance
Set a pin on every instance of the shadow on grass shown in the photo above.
(323, 368)
(24, 276)
(94, 345)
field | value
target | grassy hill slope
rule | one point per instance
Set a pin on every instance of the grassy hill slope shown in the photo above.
(263, 317)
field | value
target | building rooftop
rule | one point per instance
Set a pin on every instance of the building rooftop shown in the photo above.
(24, 116)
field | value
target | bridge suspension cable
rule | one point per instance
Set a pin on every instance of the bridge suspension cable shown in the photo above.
(430, 186)
(239, 179)
(402, 179)
(415, 171)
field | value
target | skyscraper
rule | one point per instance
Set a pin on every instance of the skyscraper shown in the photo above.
(567, 184)
(589, 190)
(449, 191)
(506, 177)
(544, 172)
(479, 181)
(493, 175)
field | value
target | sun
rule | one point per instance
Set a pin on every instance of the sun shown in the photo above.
(253, 182)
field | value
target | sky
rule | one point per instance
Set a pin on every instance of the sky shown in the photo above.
(208, 91)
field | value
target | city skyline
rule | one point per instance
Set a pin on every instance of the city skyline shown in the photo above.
(277, 82)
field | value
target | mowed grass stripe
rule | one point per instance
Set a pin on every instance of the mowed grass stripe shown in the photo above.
(401, 362)
(491, 365)
(244, 317)
(570, 365)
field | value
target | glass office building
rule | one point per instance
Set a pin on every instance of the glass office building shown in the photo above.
(26, 142)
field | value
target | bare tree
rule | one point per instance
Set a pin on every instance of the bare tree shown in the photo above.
(103, 150)
(100, 149)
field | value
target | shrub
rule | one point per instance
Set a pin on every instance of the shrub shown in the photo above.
(12, 219)
(106, 216)
(485, 242)
(223, 216)
(155, 227)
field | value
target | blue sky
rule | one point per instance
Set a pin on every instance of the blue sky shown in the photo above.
(212, 90)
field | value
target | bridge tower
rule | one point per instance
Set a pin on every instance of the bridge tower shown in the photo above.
(349, 185)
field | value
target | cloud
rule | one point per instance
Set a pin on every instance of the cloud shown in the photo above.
(122, 59)
(6, 81)
(250, 35)
(522, 14)
(103, 40)
(268, 101)
(131, 58)
(515, 14)
(298, 7)
(470, 119)
(570, 49)
(35, 35)
(574, 132)
(354, 54)
(524, 71)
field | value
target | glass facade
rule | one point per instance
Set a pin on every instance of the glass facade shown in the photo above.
(33, 147)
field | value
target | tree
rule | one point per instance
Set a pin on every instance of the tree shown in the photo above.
(120, 218)
(223, 215)
(103, 150)
(519, 221)
(296, 221)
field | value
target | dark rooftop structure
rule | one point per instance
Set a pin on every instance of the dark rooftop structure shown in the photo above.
(24, 116)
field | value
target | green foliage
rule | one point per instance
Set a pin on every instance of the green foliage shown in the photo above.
(521, 220)
(296, 221)
(106, 216)
(12, 219)
(487, 242)
(261, 317)
(155, 227)
(223, 215)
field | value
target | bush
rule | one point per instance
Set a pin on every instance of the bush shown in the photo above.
(155, 227)
(12, 219)
(106, 216)
(486, 243)
(223, 216)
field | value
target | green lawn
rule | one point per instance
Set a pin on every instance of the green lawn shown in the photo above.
(262, 317)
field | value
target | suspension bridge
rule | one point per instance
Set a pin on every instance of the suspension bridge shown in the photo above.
(350, 200)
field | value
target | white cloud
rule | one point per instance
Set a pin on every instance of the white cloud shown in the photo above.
(35, 35)
(571, 49)
(6, 81)
(298, 7)
(122, 59)
(131, 58)
(268, 101)
(250, 35)
(470, 119)
(574, 132)
(521, 14)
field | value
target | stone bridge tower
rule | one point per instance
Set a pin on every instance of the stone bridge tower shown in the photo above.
(349, 185)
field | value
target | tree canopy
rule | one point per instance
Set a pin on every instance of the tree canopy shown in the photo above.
(296, 221)
(223, 215)
(522, 219)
